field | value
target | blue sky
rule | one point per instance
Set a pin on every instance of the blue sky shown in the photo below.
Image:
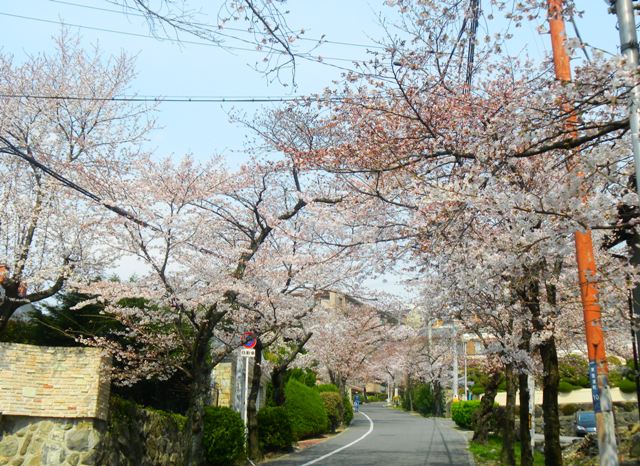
(170, 69)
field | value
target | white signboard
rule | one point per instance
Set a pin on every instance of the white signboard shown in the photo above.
(248, 353)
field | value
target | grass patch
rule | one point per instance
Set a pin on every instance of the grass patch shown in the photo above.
(489, 453)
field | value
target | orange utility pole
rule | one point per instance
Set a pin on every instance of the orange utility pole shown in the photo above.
(598, 369)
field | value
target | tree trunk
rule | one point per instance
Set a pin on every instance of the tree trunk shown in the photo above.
(339, 381)
(200, 391)
(277, 380)
(252, 405)
(526, 453)
(551, 374)
(507, 454)
(7, 309)
(485, 411)
(550, 381)
(438, 399)
(278, 372)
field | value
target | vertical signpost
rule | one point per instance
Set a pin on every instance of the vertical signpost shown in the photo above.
(247, 352)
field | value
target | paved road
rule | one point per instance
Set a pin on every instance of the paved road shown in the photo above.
(389, 438)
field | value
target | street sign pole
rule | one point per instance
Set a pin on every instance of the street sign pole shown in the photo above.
(247, 354)
(246, 389)
(466, 385)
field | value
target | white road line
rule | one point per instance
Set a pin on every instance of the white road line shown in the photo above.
(346, 446)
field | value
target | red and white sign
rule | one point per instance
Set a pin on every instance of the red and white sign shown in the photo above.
(250, 340)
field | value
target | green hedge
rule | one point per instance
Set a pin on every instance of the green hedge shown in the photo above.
(305, 409)
(224, 438)
(372, 397)
(327, 387)
(334, 408)
(462, 412)
(574, 370)
(274, 429)
(627, 386)
(566, 387)
(348, 410)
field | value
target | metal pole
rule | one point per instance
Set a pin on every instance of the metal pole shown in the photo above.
(531, 383)
(246, 389)
(629, 48)
(598, 369)
(466, 388)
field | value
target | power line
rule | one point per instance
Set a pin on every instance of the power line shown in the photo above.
(319, 59)
(12, 149)
(320, 40)
(181, 99)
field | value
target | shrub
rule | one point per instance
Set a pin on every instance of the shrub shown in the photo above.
(423, 399)
(569, 409)
(334, 408)
(348, 410)
(574, 370)
(462, 412)
(223, 437)
(565, 387)
(327, 387)
(274, 429)
(372, 397)
(305, 376)
(305, 409)
(627, 386)
(478, 389)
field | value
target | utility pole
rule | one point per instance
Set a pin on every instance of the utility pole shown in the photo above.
(598, 369)
(455, 364)
(629, 48)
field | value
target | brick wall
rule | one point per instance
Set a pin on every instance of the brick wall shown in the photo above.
(53, 382)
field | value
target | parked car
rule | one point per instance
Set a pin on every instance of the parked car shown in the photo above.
(585, 423)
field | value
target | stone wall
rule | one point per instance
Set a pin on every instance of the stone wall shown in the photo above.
(33, 441)
(43, 381)
(55, 410)
(137, 436)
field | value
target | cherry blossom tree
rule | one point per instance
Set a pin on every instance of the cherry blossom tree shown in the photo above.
(479, 184)
(49, 233)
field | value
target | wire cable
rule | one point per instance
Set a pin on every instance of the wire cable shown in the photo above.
(320, 40)
(158, 99)
(12, 149)
(319, 59)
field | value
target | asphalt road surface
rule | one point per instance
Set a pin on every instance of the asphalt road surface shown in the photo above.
(387, 437)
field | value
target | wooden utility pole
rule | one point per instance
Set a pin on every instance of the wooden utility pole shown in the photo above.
(598, 369)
